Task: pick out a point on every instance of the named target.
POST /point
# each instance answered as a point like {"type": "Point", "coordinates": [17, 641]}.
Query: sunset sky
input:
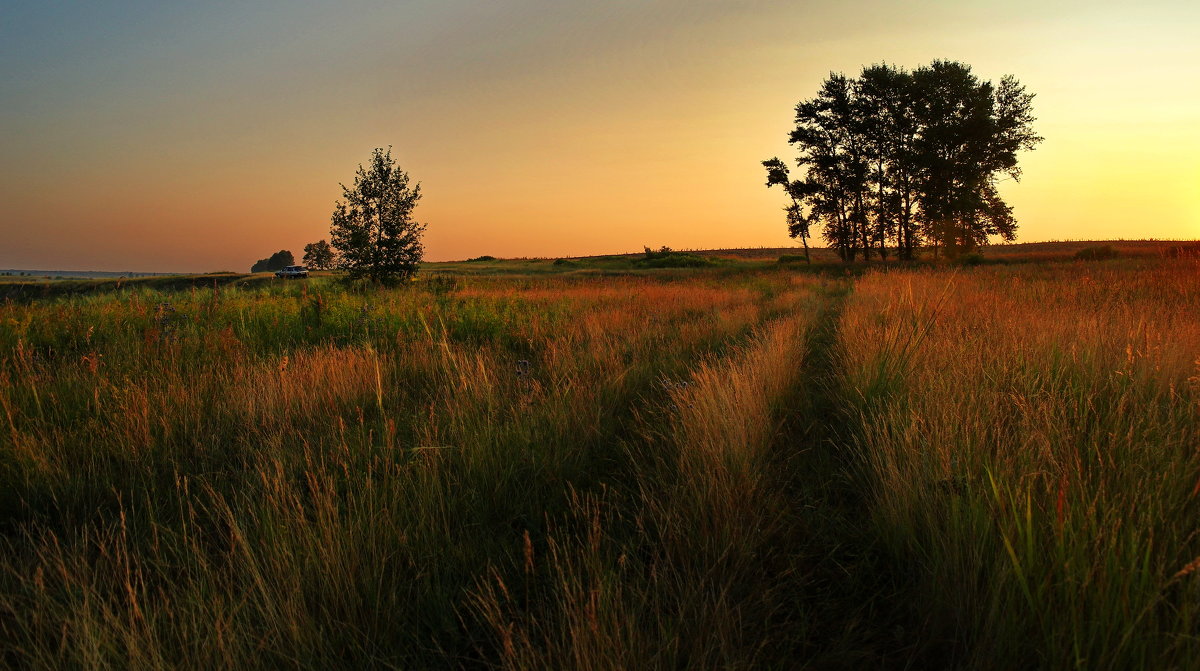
{"type": "Point", "coordinates": [200, 136]}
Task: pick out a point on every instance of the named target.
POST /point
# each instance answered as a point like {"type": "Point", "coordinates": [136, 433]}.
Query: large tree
{"type": "Point", "coordinates": [884, 117]}
{"type": "Point", "coordinates": [907, 157]}
{"type": "Point", "coordinates": [373, 230]}
{"type": "Point", "coordinates": [970, 134]}
{"type": "Point", "coordinates": [319, 255]}
{"type": "Point", "coordinates": [832, 158]}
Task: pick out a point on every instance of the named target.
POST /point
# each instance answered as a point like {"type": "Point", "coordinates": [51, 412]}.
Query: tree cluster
{"type": "Point", "coordinates": [906, 159]}
{"type": "Point", "coordinates": [277, 261]}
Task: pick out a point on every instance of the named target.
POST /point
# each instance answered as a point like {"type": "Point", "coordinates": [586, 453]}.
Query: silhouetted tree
{"type": "Point", "coordinates": [832, 157]}
{"type": "Point", "coordinates": [278, 260]}
{"type": "Point", "coordinates": [907, 157]}
{"type": "Point", "coordinates": [797, 220]}
{"type": "Point", "coordinates": [883, 110]}
{"type": "Point", "coordinates": [373, 230]}
{"type": "Point", "coordinates": [970, 134]}
{"type": "Point", "coordinates": [319, 255]}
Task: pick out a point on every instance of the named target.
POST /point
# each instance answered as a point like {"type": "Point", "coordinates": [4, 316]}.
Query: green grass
{"type": "Point", "coordinates": [531, 464]}
{"type": "Point", "coordinates": [300, 474]}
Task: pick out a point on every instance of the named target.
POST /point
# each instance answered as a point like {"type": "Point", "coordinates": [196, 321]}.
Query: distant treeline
{"type": "Point", "coordinates": [277, 261]}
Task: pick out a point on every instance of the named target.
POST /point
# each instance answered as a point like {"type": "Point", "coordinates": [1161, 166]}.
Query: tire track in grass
{"type": "Point", "coordinates": [766, 526]}
{"type": "Point", "coordinates": [845, 577]}
{"type": "Point", "coordinates": [666, 569]}
{"type": "Point", "coordinates": [739, 539]}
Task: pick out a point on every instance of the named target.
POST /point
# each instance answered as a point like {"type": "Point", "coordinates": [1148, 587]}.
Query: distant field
{"type": "Point", "coordinates": [1034, 250]}
{"type": "Point", "coordinates": [62, 283]}
{"type": "Point", "coordinates": [69, 274]}
{"type": "Point", "coordinates": [598, 464]}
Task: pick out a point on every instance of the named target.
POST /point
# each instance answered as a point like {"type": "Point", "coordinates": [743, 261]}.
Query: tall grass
{"type": "Point", "coordinates": [305, 476]}
{"type": "Point", "coordinates": [1029, 438]}
{"type": "Point", "coordinates": [683, 572]}
{"type": "Point", "coordinates": [608, 472]}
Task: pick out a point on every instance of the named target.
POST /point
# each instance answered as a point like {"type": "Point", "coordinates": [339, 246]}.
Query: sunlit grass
{"type": "Point", "coordinates": [299, 474]}
{"type": "Point", "coordinates": [1029, 439]}
{"type": "Point", "coordinates": [987, 467]}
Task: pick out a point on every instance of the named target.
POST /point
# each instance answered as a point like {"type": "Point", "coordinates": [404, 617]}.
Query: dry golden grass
{"type": "Point", "coordinates": [1029, 436]}
{"type": "Point", "coordinates": [302, 476]}
{"type": "Point", "coordinates": [674, 579]}
{"type": "Point", "coordinates": [984, 467]}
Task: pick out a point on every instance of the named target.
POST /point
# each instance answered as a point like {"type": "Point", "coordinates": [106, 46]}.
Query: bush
{"type": "Point", "coordinates": [662, 253]}
{"type": "Point", "coordinates": [666, 257]}
{"type": "Point", "coordinates": [971, 259]}
{"type": "Point", "coordinates": [440, 284]}
{"type": "Point", "coordinates": [485, 257]}
{"type": "Point", "coordinates": [1098, 253]}
{"type": "Point", "coordinates": [673, 260]}
{"type": "Point", "coordinates": [565, 262]}
{"type": "Point", "coordinates": [1183, 252]}
{"type": "Point", "coordinates": [792, 258]}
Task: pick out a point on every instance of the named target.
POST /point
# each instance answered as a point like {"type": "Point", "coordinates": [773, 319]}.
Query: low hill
{"type": "Point", "coordinates": [25, 288]}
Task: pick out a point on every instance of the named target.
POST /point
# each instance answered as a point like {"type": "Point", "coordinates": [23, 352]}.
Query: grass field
{"type": "Point", "coordinates": [596, 465]}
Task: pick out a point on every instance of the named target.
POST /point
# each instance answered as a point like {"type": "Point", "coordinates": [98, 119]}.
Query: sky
{"type": "Point", "coordinates": [202, 136]}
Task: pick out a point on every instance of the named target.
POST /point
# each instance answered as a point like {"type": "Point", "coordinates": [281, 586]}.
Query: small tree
{"type": "Point", "coordinates": [319, 255]}
{"type": "Point", "coordinates": [373, 230]}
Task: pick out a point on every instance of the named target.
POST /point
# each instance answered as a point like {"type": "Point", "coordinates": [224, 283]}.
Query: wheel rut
{"type": "Point", "coordinates": [848, 595]}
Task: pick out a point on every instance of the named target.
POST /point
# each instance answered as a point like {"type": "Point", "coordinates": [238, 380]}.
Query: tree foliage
{"type": "Point", "coordinates": [319, 255]}
{"type": "Point", "coordinates": [278, 260]}
{"type": "Point", "coordinates": [906, 158]}
{"type": "Point", "coordinates": [373, 229]}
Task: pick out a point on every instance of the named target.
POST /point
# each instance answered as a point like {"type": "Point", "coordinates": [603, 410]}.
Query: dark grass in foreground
{"type": "Point", "coordinates": [719, 467]}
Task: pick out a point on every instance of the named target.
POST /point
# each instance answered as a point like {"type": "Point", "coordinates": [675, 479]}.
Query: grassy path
{"type": "Point", "coordinates": [745, 541]}
{"type": "Point", "coordinates": [825, 526]}
{"type": "Point", "coordinates": [679, 563]}
{"type": "Point", "coordinates": [846, 593]}
{"type": "Point", "coordinates": [854, 608]}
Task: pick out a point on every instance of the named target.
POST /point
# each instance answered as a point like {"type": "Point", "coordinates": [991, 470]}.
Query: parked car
{"type": "Point", "coordinates": [289, 272]}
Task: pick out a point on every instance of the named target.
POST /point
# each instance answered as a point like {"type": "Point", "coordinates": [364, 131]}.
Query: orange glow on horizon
{"type": "Point", "coordinates": [221, 136]}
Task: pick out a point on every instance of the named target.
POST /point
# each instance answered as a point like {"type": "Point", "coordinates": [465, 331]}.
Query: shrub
{"type": "Point", "coordinates": [440, 284]}
{"type": "Point", "coordinates": [791, 258]}
{"type": "Point", "coordinates": [666, 257]}
{"type": "Point", "coordinates": [662, 253]}
{"type": "Point", "coordinates": [1191, 251]}
{"type": "Point", "coordinates": [673, 260]}
{"type": "Point", "coordinates": [1098, 253]}
{"type": "Point", "coordinates": [485, 257]}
